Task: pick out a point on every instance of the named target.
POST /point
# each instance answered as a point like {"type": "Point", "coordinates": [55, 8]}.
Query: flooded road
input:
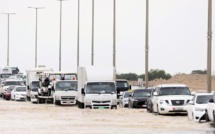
{"type": "Point", "coordinates": [27, 118]}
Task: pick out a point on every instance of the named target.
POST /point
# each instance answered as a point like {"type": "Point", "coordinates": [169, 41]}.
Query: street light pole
{"type": "Point", "coordinates": [60, 35]}
{"type": "Point", "coordinates": [209, 46]}
{"type": "Point", "coordinates": [114, 33]}
{"type": "Point", "coordinates": [36, 8]}
{"type": "Point", "coordinates": [146, 44]}
{"type": "Point", "coordinates": [92, 56]}
{"type": "Point", "coordinates": [78, 33]}
{"type": "Point", "coordinates": [8, 36]}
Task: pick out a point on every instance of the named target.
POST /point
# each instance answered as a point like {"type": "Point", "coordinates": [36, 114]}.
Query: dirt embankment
{"type": "Point", "coordinates": [194, 81]}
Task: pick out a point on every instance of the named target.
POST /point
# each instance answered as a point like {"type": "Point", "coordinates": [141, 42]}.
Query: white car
{"type": "Point", "coordinates": [18, 93]}
{"type": "Point", "coordinates": [197, 106]}
{"type": "Point", "coordinates": [210, 110]}
{"type": "Point", "coordinates": [123, 100]}
{"type": "Point", "coordinates": [171, 99]}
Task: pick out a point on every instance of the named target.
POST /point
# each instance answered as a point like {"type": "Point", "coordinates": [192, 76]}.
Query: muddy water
{"type": "Point", "coordinates": [28, 118]}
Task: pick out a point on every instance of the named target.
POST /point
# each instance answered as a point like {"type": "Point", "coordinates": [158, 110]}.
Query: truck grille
{"type": "Point", "coordinates": [177, 102]}
{"type": "Point", "coordinates": [101, 101]}
{"type": "Point", "coordinates": [67, 97]}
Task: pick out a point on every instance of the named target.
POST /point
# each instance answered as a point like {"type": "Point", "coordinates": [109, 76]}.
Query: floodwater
{"type": "Point", "coordinates": [27, 118]}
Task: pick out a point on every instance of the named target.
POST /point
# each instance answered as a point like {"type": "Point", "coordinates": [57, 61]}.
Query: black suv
{"type": "Point", "coordinates": [138, 98]}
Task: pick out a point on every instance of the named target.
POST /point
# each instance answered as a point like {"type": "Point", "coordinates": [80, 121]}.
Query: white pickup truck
{"type": "Point", "coordinates": [171, 98]}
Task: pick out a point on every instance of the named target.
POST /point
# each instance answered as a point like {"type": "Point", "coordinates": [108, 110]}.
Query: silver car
{"type": "Point", "coordinates": [123, 100]}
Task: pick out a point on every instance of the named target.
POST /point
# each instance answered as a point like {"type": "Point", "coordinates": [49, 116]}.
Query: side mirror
{"type": "Point", "coordinates": [191, 103]}
{"type": "Point", "coordinates": [155, 94]}
{"type": "Point", "coordinates": [211, 101]}
{"type": "Point", "coordinates": [82, 91]}
{"type": "Point", "coordinates": [130, 95]}
{"type": "Point", "coordinates": [27, 87]}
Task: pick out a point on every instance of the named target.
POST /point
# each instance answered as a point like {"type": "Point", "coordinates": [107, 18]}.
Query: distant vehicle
{"type": "Point", "coordinates": [210, 110]}
{"type": "Point", "coordinates": [197, 106]}
{"type": "Point", "coordinates": [122, 85]}
{"type": "Point", "coordinates": [5, 72]}
{"type": "Point", "coordinates": [9, 82]}
{"type": "Point", "coordinates": [123, 100]}
{"type": "Point", "coordinates": [96, 87]}
{"type": "Point", "coordinates": [18, 93]}
{"type": "Point", "coordinates": [138, 98]}
{"type": "Point", "coordinates": [7, 92]}
{"type": "Point", "coordinates": [32, 81]}
{"type": "Point", "coordinates": [171, 99]}
{"type": "Point", "coordinates": [149, 101]}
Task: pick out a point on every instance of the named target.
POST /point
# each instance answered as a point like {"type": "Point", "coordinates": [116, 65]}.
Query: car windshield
{"type": "Point", "coordinates": [34, 89]}
{"type": "Point", "coordinates": [7, 83]}
{"type": "Point", "coordinates": [127, 94]}
{"type": "Point", "coordinates": [174, 91]}
{"type": "Point", "coordinates": [35, 84]}
{"type": "Point", "coordinates": [20, 89]}
{"type": "Point", "coordinates": [100, 87]}
{"type": "Point", "coordinates": [203, 99]}
{"type": "Point", "coordinates": [122, 84]}
{"type": "Point", "coordinates": [66, 85]}
{"type": "Point", "coordinates": [141, 93]}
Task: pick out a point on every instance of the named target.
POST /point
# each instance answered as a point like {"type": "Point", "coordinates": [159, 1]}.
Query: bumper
{"type": "Point", "coordinates": [20, 98]}
{"type": "Point", "coordinates": [167, 109]}
{"type": "Point", "coordinates": [101, 107]}
{"type": "Point", "coordinates": [33, 99]}
{"type": "Point", "coordinates": [140, 104]}
{"type": "Point", "coordinates": [66, 102]}
{"type": "Point", "coordinates": [199, 115]}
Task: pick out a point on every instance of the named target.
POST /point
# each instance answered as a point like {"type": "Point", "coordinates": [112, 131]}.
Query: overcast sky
{"type": "Point", "coordinates": [177, 34]}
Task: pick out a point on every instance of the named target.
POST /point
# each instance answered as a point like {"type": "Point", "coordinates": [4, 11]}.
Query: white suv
{"type": "Point", "coordinates": [171, 98]}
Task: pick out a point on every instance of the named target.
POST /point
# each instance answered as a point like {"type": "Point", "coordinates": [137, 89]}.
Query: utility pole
{"type": "Point", "coordinates": [146, 44]}
{"type": "Point", "coordinates": [92, 56]}
{"type": "Point", "coordinates": [8, 36]}
{"type": "Point", "coordinates": [36, 8]}
{"type": "Point", "coordinates": [209, 46]}
{"type": "Point", "coordinates": [78, 33]}
{"type": "Point", "coordinates": [114, 33]}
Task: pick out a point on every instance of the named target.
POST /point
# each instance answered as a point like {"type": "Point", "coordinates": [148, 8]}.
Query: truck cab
{"type": "Point", "coordinates": [122, 85]}
{"type": "Point", "coordinates": [65, 92]}
{"type": "Point", "coordinates": [97, 87]}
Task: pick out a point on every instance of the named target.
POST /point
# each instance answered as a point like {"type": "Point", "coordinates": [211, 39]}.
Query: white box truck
{"type": "Point", "coordinates": [32, 82]}
{"type": "Point", "coordinates": [97, 87]}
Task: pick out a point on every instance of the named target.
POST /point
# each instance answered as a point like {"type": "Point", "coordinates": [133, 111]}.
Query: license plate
{"type": "Point", "coordinates": [101, 107]}
{"type": "Point", "coordinates": [177, 108]}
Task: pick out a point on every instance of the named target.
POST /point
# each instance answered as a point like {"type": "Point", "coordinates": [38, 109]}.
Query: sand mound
{"type": "Point", "coordinates": [194, 81]}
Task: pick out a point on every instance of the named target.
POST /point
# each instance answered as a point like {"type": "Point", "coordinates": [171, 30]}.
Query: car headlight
{"type": "Point", "coordinates": [199, 109]}
{"type": "Point", "coordinates": [114, 102]}
{"type": "Point", "coordinates": [88, 102]}
{"type": "Point", "coordinates": [57, 97]}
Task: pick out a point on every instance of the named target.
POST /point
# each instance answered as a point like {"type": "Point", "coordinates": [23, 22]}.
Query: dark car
{"type": "Point", "coordinates": [138, 98]}
{"type": "Point", "coordinates": [149, 101]}
{"type": "Point", "coordinates": [122, 86]}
